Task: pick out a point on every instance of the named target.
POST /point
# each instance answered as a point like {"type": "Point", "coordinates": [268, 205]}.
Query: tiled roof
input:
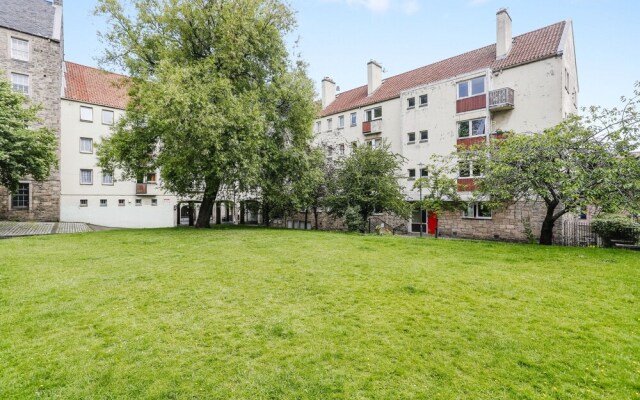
{"type": "Point", "coordinates": [95, 86]}
{"type": "Point", "coordinates": [35, 17]}
{"type": "Point", "coordinates": [533, 46]}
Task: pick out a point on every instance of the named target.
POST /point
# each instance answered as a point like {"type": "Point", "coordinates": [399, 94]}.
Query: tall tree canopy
{"type": "Point", "coordinates": [583, 161]}
{"type": "Point", "coordinates": [25, 148]}
{"type": "Point", "coordinates": [214, 97]}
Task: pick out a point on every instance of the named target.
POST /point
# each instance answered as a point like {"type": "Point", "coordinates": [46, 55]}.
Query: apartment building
{"type": "Point", "coordinates": [93, 101]}
{"type": "Point", "coordinates": [31, 54]}
{"type": "Point", "coordinates": [523, 83]}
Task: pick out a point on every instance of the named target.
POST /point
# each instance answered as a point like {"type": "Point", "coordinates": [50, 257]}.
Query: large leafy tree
{"type": "Point", "coordinates": [214, 96]}
{"type": "Point", "coordinates": [26, 147]}
{"type": "Point", "coordinates": [367, 182]}
{"type": "Point", "coordinates": [583, 161]}
{"type": "Point", "coordinates": [439, 187]}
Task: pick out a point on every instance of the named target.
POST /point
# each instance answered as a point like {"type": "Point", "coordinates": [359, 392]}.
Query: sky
{"type": "Point", "coordinates": [338, 37]}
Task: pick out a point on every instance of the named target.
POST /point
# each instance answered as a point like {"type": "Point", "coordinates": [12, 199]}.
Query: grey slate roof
{"type": "Point", "coordinates": [35, 17]}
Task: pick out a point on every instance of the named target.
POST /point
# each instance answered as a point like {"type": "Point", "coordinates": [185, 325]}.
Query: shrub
{"type": "Point", "coordinates": [353, 219]}
{"type": "Point", "coordinates": [611, 227]}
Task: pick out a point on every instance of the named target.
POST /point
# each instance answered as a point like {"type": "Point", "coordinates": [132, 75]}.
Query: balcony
{"type": "Point", "coordinates": [501, 99]}
{"type": "Point", "coordinates": [141, 188]}
{"type": "Point", "coordinates": [371, 127]}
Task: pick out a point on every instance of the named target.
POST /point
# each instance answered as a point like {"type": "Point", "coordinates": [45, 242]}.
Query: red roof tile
{"type": "Point", "coordinates": [533, 46]}
{"type": "Point", "coordinates": [95, 86]}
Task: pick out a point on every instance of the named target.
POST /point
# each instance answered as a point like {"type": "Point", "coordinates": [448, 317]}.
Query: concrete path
{"type": "Point", "coordinates": [14, 229]}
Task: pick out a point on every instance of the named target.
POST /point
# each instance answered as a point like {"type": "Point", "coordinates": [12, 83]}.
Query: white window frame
{"type": "Point", "coordinates": [20, 54]}
{"type": "Point", "coordinates": [85, 140]}
{"type": "Point", "coordinates": [105, 181]}
{"type": "Point", "coordinates": [329, 124]}
{"type": "Point", "coordinates": [341, 122]}
{"type": "Point", "coordinates": [154, 202]}
{"type": "Point", "coordinates": [375, 143]}
{"type": "Point", "coordinates": [85, 117]}
{"type": "Point", "coordinates": [121, 202]}
{"type": "Point", "coordinates": [354, 119]}
{"type": "Point", "coordinates": [425, 137]}
{"type": "Point", "coordinates": [469, 123]}
{"type": "Point", "coordinates": [423, 97]}
{"type": "Point", "coordinates": [138, 202]}
{"type": "Point", "coordinates": [82, 181]}
{"type": "Point", "coordinates": [473, 212]}
{"type": "Point", "coordinates": [469, 83]}
{"type": "Point", "coordinates": [472, 173]}
{"type": "Point", "coordinates": [107, 112]}
{"type": "Point", "coordinates": [409, 140]}
{"type": "Point", "coordinates": [411, 174]}
{"type": "Point", "coordinates": [103, 202]}
{"type": "Point", "coordinates": [409, 101]}
{"type": "Point", "coordinates": [84, 203]}
{"type": "Point", "coordinates": [424, 172]}
{"type": "Point", "coordinates": [370, 114]}
{"type": "Point", "coordinates": [318, 126]}
{"type": "Point", "coordinates": [21, 87]}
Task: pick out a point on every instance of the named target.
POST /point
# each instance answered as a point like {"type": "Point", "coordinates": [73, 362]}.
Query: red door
{"type": "Point", "coordinates": [432, 223]}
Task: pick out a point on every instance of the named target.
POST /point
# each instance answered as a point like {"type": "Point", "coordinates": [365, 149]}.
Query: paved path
{"type": "Point", "coordinates": [13, 229]}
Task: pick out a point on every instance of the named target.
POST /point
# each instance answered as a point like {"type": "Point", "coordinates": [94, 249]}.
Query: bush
{"type": "Point", "coordinates": [616, 228]}
{"type": "Point", "coordinates": [353, 219]}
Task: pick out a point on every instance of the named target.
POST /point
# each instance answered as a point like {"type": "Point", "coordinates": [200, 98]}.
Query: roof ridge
{"type": "Point", "coordinates": [97, 69]}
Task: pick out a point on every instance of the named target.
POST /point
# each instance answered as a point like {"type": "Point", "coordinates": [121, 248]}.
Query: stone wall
{"type": "Point", "coordinates": [328, 223]}
{"type": "Point", "coordinates": [45, 80]}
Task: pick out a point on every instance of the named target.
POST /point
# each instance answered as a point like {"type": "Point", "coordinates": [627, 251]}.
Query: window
{"type": "Point", "coordinates": [330, 151]}
{"type": "Point", "coordinates": [411, 102]}
{"type": "Point", "coordinates": [424, 136]}
{"type": "Point", "coordinates": [103, 202]}
{"type": "Point", "coordinates": [373, 113]}
{"type": "Point", "coordinates": [472, 87]}
{"type": "Point", "coordinates": [318, 126]}
{"type": "Point", "coordinates": [154, 202]}
{"type": "Point", "coordinates": [341, 122]}
{"type": "Point", "coordinates": [121, 203]}
{"type": "Point", "coordinates": [412, 173]}
{"type": "Point", "coordinates": [107, 178]}
{"type": "Point", "coordinates": [424, 172]}
{"type": "Point", "coordinates": [470, 169]}
{"type": "Point", "coordinates": [86, 145]}
{"type": "Point", "coordinates": [475, 126]}
{"type": "Point", "coordinates": [375, 143]}
{"type": "Point", "coordinates": [86, 114]}
{"type": "Point", "coordinates": [424, 100]}
{"type": "Point", "coordinates": [20, 83]}
{"type": "Point", "coordinates": [19, 49]}
{"type": "Point", "coordinates": [329, 124]}
{"type": "Point", "coordinates": [138, 202]}
{"type": "Point", "coordinates": [411, 137]}
{"type": "Point", "coordinates": [478, 211]}
{"type": "Point", "coordinates": [107, 117]}
{"type": "Point", "coordinates": [84, 203]}
{"type": "Point", "coordinates": [86, 177]}
{"type": "Point", "coordinates": [20, 199]}
{"type": "Point", "coordinates": [341, 149]}
{"type": "Point", "coordinates": [354, 119]}
{"type": "Point", "coordinates": [151, 178]}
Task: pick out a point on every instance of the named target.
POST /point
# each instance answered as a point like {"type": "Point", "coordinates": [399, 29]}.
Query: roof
{"type": "Point", "coordinates": [533, 46]}
{"type": "Point", "coordinates": [34, 17]}
{"type": "Point", "coordinates": [95, 86]}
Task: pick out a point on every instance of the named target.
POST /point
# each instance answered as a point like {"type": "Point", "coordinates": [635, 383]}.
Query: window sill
{"type": "Point", "coordinates": [479, 218]}
{"type": "Point", "coordinates": [107, 184]}
{"type": "Point", "coordinates": [86, 184]}
{"type": "Point", "coordinates": [411, 142]}
{"type": "Point", "coordinates": [411, 108]}
{"type": "Point", "coordinates": [424, 141]}
{"type": "Point", "coordinates": [354, 125]}
{"type": "Point", "coordinates": [84, 205]}
{"type": "Point", "coordinates": [424, 105]}
{"type": "Point", "coordinates": [86, 152]}
{"type": "Point", "coordinates": [86, 120]}
{"type": "Point", "coordinates": [411, 179]}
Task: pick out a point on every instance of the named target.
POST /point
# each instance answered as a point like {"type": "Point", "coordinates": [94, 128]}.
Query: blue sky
{"type": "Point", "coordinates": [338, 37]}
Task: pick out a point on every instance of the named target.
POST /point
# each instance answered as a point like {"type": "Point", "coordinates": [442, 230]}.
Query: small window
{"type": "Point", "coordinates": [375, 143]}
{"type": "Point", "coordinates": [341, 122]}
{"type": "Point", "coordinates": [103, 202]}
{"type": "Point", "coordinates": [138, 202]}
{"type": "Point", "coordinates": [411, 137]}
{"type": "Point", "coordinates": [330, 151]}
{"type": "Point", "coordinates": [318, 126]}
{"type": "Point", "coordinates": [151, 178]}
{"type": "Point", "coordinates": [86, 177]}
{"type": "Point", "coordinates": [121, 203]}
{"type": "Point", "coordinates": [475, 127]}
{"type": "Point", "coordinates": [86, 114]}
{"type": "Point", "coordinates": [19, 49]}
{"type": "Point", "coordinates": [424, 172]}
{"type": "Point", "coordinates": [477, 211]}
{"type": "Point", "coordinates": [154, 202]}
{"type": "Point", "coordinates": [86, 145]}
{"type": "Point", "coordinates": [412, 173]}
{"type": "Point", "coordinates": [341, 149]}
{"type": "Point", "coordinates": [373, 113]}
{"type": "Point", "coordinates": [472, 87]}
{"type": "Point", "coordinates": [424, 100]}
{"type": "Point", "coordinates": [411, 102]}
{"type": "Point", "coordinates": [470, 169]}
{"type": "Point", "coordinates": [20, 83]}
{"type": "Point", "coordinates": [424, 136]}
{"type": "Point", "coordinates": [107, 178]}
{"type": "Point", "coordinates": [329, 124]}
{"type": "Point", "coordinates": [354, 119]}
{"type": "Point", "coordinates": [84, 203]}
{"type": "Point", "coordinates": [107, 117]}
{"type": "Point", "coordinates": [20, 199]}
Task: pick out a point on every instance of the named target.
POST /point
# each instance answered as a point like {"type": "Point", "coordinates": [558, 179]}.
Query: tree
{"type": "Point", "coordinates": [214, 98]}
{"type": "Point", "coordinates": [439, 188]}
{"type": "Point", "coordinates": [367, 182]}
{"type": "Point", "coordinates": [583, 161]}
{"type": "Point", "coordinates": [25, 148]}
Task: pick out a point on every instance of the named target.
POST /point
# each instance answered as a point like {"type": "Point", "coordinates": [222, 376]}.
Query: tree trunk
{"type": "Point", "coordinates": [208, 200]}
{"type": "Point", "coordinates": [315, 216]}
{"type": "Point", "coordinates": [265, 214]}
{"type": "Point", "coordinates": [546, 233]}
{"type": "Point", "coordinates": [306, 218]}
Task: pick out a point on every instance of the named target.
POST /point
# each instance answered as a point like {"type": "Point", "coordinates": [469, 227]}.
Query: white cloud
{"type": "Point", "coordinates": [409, 7]}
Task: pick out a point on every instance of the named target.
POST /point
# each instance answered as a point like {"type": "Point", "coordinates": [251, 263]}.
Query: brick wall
{"type": "Point", "coordinates": [45, 79]}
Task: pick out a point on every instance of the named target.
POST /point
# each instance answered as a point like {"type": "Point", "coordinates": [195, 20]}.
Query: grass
{"type": "Point", "coordinates": [275, 314]}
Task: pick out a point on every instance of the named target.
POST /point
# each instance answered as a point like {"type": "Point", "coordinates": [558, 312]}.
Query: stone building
{"type": "Point", "coordinates": [524, 83]}
{"type": "Point", "coordinates": [31, 55]}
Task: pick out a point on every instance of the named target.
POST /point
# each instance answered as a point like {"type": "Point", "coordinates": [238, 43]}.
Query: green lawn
{"type": "Point", "coordinates": [271, 314]}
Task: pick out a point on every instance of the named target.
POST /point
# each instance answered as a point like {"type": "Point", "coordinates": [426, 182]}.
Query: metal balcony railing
{"type": "Point", "coordinates": [501, 99]}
